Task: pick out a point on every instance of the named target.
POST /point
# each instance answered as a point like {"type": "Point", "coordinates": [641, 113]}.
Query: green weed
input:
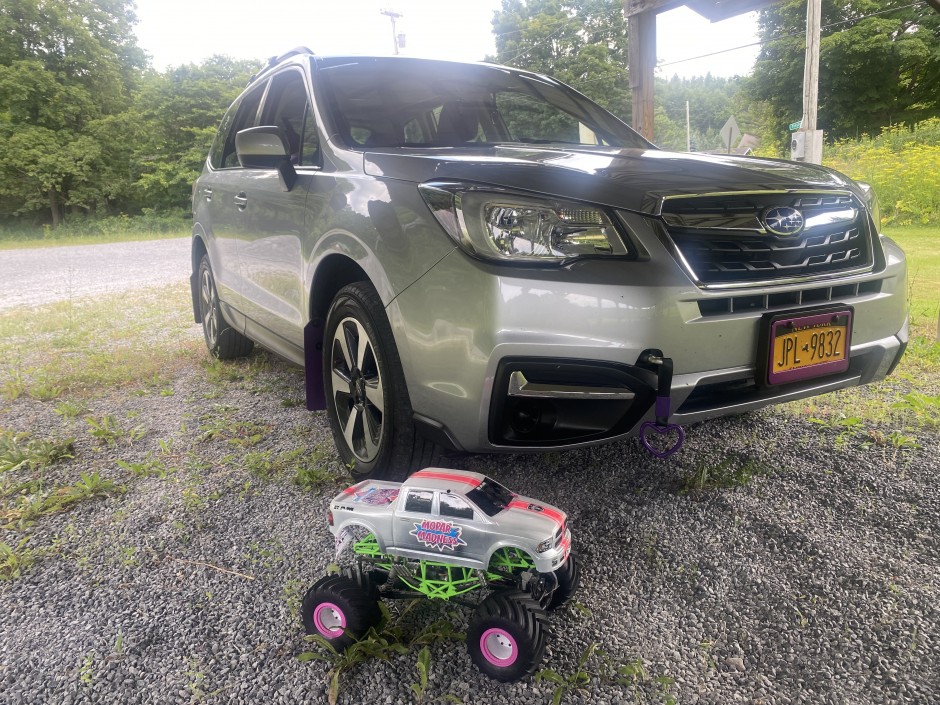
{"type": "Point", "coordinates": [373, 645]}
{"type": "Point", "coordinates": [422, 666]}
{"type": "Point", "coordinates": [148, 467]}
{"type": "Point", "coordinates": [730, 472]}
{"type": "Point", "coordinates": [109, 431]}
{"type": "Point", "coordinates": [923, 408]}
{"type": "Point", "coordinates": [71, 409]}
{"type": "Point", "coordinates": [15, 560]}
{"type": "Point", "coordinates": [577, 680]}
{"type": "Point", "coordinates": [18, 450]}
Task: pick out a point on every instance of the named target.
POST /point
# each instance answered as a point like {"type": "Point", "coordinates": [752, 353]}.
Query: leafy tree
{"type": "Point", "coordinates": [874, 70]}
{"type": "Point", "coordinates": [64, 66]}
{"type": "Point", "coordinates": [580, 42]}
{"type": "Point", "coordinates": [180, 110]}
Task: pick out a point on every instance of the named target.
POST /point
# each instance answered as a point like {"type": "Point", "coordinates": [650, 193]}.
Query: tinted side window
{"type": "Point", "coordinates": [286, 107]}
{"type": "Point", "coordinates": [245, 116]}
{"type": "Point", "coordinates": [218, 144]}
{"type": "Point", "coordinates": [419, 501]}
{"type": "Point", "coordinates": [454, 506]}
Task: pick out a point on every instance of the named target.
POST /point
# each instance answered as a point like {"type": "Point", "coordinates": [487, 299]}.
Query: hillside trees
{"type": "Point", "coordinates": [86, 125]}
{"type": "Point", "coordinates": [65, 67]}
{"type": "Point", "coordinates": [580, 42]}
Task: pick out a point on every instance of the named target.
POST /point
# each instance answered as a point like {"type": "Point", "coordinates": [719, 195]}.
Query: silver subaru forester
{"type": "Point", "coordinates": [477, 258]}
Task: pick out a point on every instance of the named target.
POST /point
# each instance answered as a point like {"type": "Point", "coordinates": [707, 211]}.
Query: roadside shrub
{"type": "Point", "coordinates": [903, 165]}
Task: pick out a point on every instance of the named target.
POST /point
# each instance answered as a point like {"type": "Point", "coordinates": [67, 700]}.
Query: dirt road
{"type": "Point", "coordinates": [45, 274]}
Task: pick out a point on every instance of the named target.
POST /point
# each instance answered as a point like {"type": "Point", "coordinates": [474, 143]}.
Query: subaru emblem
{"type": "Point", "coordinates": [783, 221]}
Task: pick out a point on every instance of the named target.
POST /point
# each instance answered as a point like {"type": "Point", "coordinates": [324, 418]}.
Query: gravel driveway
{"type": "Point", "coordinates": [812, 579]}
{"type": "Point", "coordinates": [45, 274]}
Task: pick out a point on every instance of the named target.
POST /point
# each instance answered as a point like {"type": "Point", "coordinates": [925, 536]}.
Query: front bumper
{"type": "Point", "coordinates": [466, 326]}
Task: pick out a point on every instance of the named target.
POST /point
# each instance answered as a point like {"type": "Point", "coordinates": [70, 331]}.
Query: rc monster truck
{"type": "Point", "coordinates": [450, 535]}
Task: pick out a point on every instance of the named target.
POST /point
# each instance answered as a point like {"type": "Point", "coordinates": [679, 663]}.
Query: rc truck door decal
{"type": "Point", "coordinates": [434, 533]}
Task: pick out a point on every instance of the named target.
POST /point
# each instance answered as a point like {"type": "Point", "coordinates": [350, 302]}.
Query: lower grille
{"type": "Point", "coordinates": [722, 239]}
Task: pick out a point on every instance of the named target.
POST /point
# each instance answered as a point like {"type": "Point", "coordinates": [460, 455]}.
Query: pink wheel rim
{"type": "Point", "coordinates": [498, 647]}
{"type": "Point", "coordinates": [329, 620]}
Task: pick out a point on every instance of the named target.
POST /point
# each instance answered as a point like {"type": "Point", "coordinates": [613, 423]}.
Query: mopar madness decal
{"type": "Point", "coordinates": [438, 534]}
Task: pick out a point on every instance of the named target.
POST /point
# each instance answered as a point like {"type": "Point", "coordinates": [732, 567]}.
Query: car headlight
{"type": "Point", "coordinates": [507, 227]}
{"type": "Point", "coordinates": [871, 200]}
{"type": "Point", "coordinates": [545, 545]}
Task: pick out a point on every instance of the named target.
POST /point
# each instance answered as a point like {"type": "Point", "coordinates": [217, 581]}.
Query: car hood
{"type": "Point", "coordinates": [530, 518]}
{"type": "Point", "coordinates": [631, 179]}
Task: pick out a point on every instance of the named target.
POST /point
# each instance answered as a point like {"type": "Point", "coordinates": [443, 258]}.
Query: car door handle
{"type": "Point", "coordinates": [241, 200]}
{"type": "Point", "coordinates": [207, 192]}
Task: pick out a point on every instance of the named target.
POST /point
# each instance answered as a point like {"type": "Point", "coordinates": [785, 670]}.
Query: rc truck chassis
{"type": "Point", "coordinates": [511, 598]}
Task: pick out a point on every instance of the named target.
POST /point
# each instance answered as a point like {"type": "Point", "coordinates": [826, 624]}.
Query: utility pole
{"type": "Point", "coordinates": [813, 137]}
{"type": "Point", "coordinates": [392, 15]}
{"type": "Point", "coordinates": [688, 129]}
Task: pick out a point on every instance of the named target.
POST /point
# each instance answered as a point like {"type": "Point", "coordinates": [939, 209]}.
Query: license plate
{"type": "Point", "coordinates": [801, 345]}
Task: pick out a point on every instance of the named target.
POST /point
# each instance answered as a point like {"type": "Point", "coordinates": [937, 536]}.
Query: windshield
{"type": "Point", "coordinates": [491, 497]}
{"type": "Point", "coordinates": [388, 102]}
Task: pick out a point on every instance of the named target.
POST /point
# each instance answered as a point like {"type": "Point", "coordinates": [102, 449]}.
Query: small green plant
{"type": "Point", "coordinates": [847, 427]}
{"type": "Point", "coordinates": [373, 645]}
{"type": "Point", "coordinates": [312, 470]}
{"type": "Point", "coordinates": [18, 450]}
{"type": "Point", "coordinates": [71, 409]}
{"type": "Point", "coordinates": [86, 672]}
{"type": "Point", "coordinates": [422, 665]}
{"type": "Point", "coordinates": [119, 644]}
{"type": "Point", "coordinates": [13, 387]}
{"type": "Point", "coordinates": [91, 485]}
{"type": "Point", "coordinates": [575, 681]}
{"type": "Point", "coordinates": [923, 409]}
{"type": "Point", "coordinates": [149, 467]}
{"type": "Point", "coordinates": [730, 472]}
{"type": "Point", "coordinates": [15, 560]}
{"type": "Point", "coordinates": [106, 429]}
{"type": "Point", "coordinates": [46, 390]}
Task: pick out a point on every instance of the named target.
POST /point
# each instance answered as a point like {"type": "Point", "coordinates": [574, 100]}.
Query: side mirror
{"type": "Point", "coordinates": [266, 147]}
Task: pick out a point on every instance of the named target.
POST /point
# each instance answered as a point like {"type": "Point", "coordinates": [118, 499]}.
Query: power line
{"type": "Point", "coordinates": [791, 34]}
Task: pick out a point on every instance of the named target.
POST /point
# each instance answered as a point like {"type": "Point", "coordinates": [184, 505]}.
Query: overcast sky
{"type": "Point", "coordinates": [176, 32]}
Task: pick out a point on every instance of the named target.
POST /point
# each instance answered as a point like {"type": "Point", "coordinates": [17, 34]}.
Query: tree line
{"type": "Point", "coordinates": [90, 128]}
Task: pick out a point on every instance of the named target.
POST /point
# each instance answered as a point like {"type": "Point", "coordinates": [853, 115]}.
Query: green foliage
{"type": "Point", "coordinates": [108, 430]}
{"type": "Point", "coordinates": [580, 42]}
{"type": "Point", "coordinates": [876, 71]}
{"type": "Point", "coordinates": [924, 408]}
{"type": "Point", "coordinates": [373, 645]}
{"type": "Point", "coordinates": [15, 560]}
{"type": "Point", "coordinates": [86, 126]}
{"type": "Point", "coordinates": [902, 164]}
{"type": "Point", "coordinates": [730, 472]}
{"type": "Point", "coordinates": [422, 665]}
{"type": "Point", "coordinates": [18, 451]}
{"type": "Point", "coordinates": [578, 679]}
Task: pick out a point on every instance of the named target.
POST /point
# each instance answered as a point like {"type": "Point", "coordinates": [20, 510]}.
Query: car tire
{"type": "Point", "coordinates": [341, 609]}
{"type": "Point", "coordinates": [223, 341]}
{"type": "Point", "coordinates": [506, 636]}
{"type": "Point", "coordinates": [366, 396]}
{"type": "Point", "coordinates": [569, 578]}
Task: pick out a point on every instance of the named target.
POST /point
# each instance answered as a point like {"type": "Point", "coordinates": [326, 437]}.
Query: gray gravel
{"type": "Point", "coordinates": [37, 276]}
{"type": "Point", "coordinates": [814, 582]}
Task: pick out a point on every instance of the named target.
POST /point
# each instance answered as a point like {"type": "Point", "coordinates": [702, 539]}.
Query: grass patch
{"type": "Point", "coordinates": [730, 472]}
{"type": "Point", "coordinates": [19, 451]}
{"type": "Point", "coordinates": [82, 349]}
{"type": "Point", "coordinates": [907, 401]}
{"type": "Point", "coordinates": [15, 560]}
{"type": "Point", "coordinates": [25, 502]}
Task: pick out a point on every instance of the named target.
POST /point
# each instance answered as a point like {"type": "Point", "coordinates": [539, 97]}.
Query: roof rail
{"type": "Point", "coordinates": [275, 60]}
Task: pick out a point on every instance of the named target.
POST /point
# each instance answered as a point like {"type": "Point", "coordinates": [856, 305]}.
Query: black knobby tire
{"type": "Point", "coordinates": [340, 609]}
{"type": "Point", "coordinates": [367, 399]}
{"type": "Point", "coordinates": [506, 636]}
{"type": "Point", "coordinates": [569, 578]}
{"type": "Point", "coordinates": [223, 341]}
